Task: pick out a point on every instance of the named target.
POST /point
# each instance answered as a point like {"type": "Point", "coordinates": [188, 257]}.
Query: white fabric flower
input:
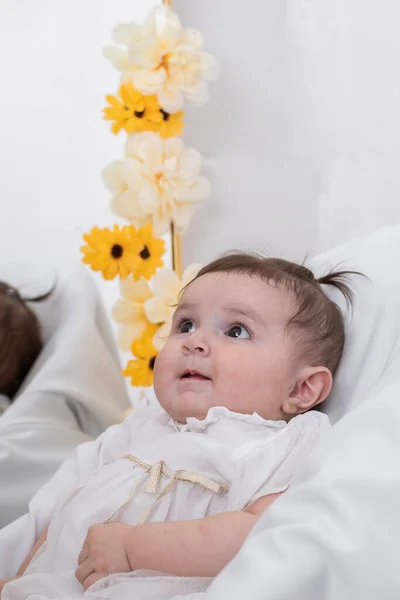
{"type": "Point", "coordinates": [129, 312]}
{"type": "Point", "coordinates": [161, 307]}
{"type": "Point", "coordinates": [163, 58]}
{"type": "Point", "coordinates": [158, 182]}
{"type": "Point", "coordinates": [113, 179]}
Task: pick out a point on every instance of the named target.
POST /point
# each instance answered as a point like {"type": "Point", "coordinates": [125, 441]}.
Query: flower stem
{"type": "Point", "coordinates": [176, 251]}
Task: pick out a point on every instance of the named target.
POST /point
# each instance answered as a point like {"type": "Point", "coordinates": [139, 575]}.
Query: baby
{"type": "Point", "coordinates": [159, 504]}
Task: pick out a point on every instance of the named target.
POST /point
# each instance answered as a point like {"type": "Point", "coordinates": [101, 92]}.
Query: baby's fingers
{"type": "Point", "coordinates": [91, 580]}
{"type": "Point", "coordinates": [83, 554]}
{"type": "Point", "coordinates": [83, 571]}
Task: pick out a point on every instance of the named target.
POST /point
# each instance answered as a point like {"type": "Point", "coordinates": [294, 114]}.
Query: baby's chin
{"type": "Point", "coordinates": [189, 404]}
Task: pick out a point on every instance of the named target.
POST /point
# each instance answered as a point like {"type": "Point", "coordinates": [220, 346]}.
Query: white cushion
{"type": "Point", "coordinates": [371, 353]}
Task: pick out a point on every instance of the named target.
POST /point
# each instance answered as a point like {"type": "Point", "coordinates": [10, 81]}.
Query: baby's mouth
{"type": "Point", "coordinates": [194, 375]}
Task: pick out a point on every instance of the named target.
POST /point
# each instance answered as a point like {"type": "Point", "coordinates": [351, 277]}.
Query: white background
{"type": "Point", "coordinates": [301, 134]}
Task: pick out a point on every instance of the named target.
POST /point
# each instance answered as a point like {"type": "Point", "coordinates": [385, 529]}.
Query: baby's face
{"type": "Point", "coordinates": [228, 347]}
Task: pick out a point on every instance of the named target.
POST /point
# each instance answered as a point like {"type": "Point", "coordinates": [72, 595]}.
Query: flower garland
{"type": "Point", "coordinates": [157, 186]}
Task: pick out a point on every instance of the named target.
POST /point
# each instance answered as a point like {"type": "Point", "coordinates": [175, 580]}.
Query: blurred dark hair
{"type": "Point", "coordinates": [20, 338]}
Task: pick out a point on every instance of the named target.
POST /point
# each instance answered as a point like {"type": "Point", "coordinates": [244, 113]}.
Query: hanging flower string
{"type": "Point", "coordinates": [158, 184]}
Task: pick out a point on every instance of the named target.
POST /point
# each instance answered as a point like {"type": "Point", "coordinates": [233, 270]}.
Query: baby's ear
{"type": "Point", "coordinates": [312, 387]}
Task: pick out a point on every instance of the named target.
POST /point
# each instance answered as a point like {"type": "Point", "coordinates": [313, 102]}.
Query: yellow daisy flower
{"type": "Point", "coordinates": [113, 252]}
{"type": "Point", "coordinates": [150, 255]}
{"type": "Point", "coordinates": [140, 370]}
{"type": "Point", "coordinates": [171, 124]}
{"type": "Point", "coordinates": [164, 123]}
{"type": "Point", "coordinates": [129, 112]}
{"type": "Point", "coordinates": [135, 113]}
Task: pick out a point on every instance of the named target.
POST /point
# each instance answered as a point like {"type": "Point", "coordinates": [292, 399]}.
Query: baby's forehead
{"type": "Point", "coordinates": [238, 288]}
{"type": "Point", "coordinates": [225, 281]}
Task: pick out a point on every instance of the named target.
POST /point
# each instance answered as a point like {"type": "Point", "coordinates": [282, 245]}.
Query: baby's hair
{"type": "Point", "coordinates": [20, 338]}
{"type": "Point", "coordinates": [317, 324]}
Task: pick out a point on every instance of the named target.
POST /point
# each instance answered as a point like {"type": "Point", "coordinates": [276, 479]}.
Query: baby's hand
{"type": "Point", "coordinates": [104, 552]}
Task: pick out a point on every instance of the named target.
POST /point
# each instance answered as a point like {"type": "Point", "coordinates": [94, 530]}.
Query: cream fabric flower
{"type": "Point", "coordinates": [129, 311]}
{"type": "Point", "coordinates": [163, 58]}
{"type": "Point", "coordinates": [158, 182]}
{"type": "Point", "coordinates": [161, 307]}
{"type": "Point", "coordinates": [120, 60]}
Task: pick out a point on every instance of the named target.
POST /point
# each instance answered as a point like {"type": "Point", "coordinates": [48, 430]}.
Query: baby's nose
{"type": "Point", "coordinates": [196, 343]}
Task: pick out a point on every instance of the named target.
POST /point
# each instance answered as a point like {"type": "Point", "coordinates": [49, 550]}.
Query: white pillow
{"type": "Point", "coordinates": [371, 354]}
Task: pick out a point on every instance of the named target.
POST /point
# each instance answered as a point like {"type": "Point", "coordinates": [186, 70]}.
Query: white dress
{"type": "Point", "coordinates": [151, 468]}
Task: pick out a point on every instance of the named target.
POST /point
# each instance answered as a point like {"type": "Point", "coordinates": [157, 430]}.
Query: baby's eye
{"type": "Point", "coordinates": [239, 332]}
{"type": "Point", "coordinates": [187, 327]}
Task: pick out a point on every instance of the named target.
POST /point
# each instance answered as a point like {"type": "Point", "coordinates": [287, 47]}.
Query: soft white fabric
{"type": "Point", "coordinates": [73, 392]}
{"type": "Point", "coordinates": [4, 403]}
{"type": "Point", "coordinates": [335, 533]}
{"type": "Point", "coordinates": [253, 456]}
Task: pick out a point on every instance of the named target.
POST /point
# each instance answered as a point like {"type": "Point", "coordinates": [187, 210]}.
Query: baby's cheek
{"type": "Point", "coordinates": [247, 374]}
{"type": "Point", "coordinates": [233, 372]}
{"type": "Point", "coordinates": [162, 371]}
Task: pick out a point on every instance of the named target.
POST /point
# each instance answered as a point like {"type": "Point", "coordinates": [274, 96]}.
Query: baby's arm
{"type": "Point", "coordinates": [198, 548]}
{"type": "Point", "coordinates": [26, 562]}
{"type": "Point", "coordinates": [32, 553]}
